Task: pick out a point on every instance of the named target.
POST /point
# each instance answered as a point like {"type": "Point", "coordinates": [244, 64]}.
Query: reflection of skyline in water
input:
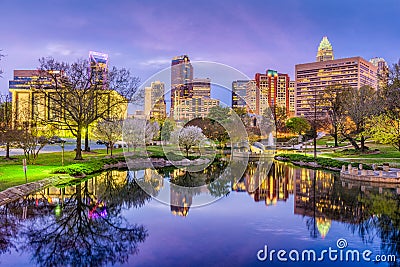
{"type": "Point", "coordinates": [89, 207]}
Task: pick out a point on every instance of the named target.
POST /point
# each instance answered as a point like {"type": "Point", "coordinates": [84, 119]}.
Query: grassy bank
{"type": "Point", "coordinates": [50, 164]}
{"type": "Point", "coordinates": [326, 163]}
{"type": "Point", "coordinates": [12, 174]}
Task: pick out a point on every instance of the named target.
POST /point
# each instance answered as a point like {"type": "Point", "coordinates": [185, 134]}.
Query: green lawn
{"type": "Point", "coordinates": [11, 171]}
{"type": "Point", "coordinates": [388, 154]}
{"type": "Point", "coordinates": [329, 141]}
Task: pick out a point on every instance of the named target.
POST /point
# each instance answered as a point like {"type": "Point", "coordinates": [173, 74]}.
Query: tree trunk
{"type": "Point", "coordinates": [362, 143]}
{"type": "Point", "coordinates": [7, 150]}
{"type": "Point", "coordinates": [111, 148]}
{"type": "Point", "coordinates": [315, 146]}
{"type": "Point", "coordinates": [353, 142]}
{"type": "Point", "coordinates": [78, 153]}
{"type": "Point", "coordinates": [335, 136]}
{"type": "Point", "coordinates": [87, 148]}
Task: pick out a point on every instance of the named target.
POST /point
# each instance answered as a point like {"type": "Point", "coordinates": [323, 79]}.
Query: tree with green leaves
{"type": "Point", "coordinates": [385, 128]}
{"type": "Point", "coordinates": [298, 125]}
{"type": "Point", "coordinates": [219, 114]}
{"type": "Point", "coordinates": [166, 130]}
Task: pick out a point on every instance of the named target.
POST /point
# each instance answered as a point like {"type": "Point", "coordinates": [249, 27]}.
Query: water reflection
{"type": "Point", "coordinates": [83, 224]}
{"type": "Point", "coordinates": [80, 225]}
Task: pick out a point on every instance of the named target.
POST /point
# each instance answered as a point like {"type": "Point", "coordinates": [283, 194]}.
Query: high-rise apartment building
{"type": "Point", "coordinates": [239, 93]}
{"type": "Point", "coordinates": [325, 50]}
{"type": "Point", "coordinates": [313, 78]}
{"type": "Point", "coordinates": [271, 91]}
{"type": "Point", "coordinates": [154, 102]}
{"type": "Point", "coordinates": [201, 87]}
{"type": "Point", "coordinates": [383, 71]}
{"type": "Point", "coordinates": [292, 93]}
{"type": "Point", "coordinates": [181, 79]}
{"type": "Point", "coordinates": [252, 98]}
{"type": "Point", "coordinates": [195, 107]}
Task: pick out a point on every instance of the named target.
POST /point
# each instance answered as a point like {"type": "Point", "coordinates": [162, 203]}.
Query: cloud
{"type": "Point", "coordinates": [58, 49]}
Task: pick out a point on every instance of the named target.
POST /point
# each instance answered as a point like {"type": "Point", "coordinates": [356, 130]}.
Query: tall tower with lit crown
{"type": "Point", "coordinates": [325, 50]}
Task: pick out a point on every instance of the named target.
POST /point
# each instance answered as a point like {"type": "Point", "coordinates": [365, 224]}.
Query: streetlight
{"type": "Point", "coordinates": [62, 153]}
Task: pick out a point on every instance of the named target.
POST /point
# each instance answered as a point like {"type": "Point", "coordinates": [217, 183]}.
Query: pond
{"type": "Point", "coordinates": [108, 220]}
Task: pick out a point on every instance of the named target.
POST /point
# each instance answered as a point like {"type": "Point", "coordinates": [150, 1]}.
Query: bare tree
{"type": "Point", "coordinates": [334, 100]}
{"type": "Point", "coordinates": [7, 134]}
{"type": "Point", "coordinates": [77, 97]}
{"type": "Point", "coordinates": [1, 71]}
{"type": "Point", "coordinates": [32, 139]}
{"type": "Point", "coordinates": [109, 130]}
{"type": "Point", "coordinates": [138, 132]}
{"type": "Point", "coordinates": [361, 104]}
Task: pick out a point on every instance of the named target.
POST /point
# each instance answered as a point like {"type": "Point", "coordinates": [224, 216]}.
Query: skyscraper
{"type": "Point", "coordinates": [154, 102]}
{"type": "Point", "coordinates": [181, 79]}
{"type": "Point", "coordinates": [239, 93]}
{"type": "Point", "coordinates": [313, 78]}
{"type": "Point", "coordinates": [99, 66]}
{"type": "Point", "coordinates": [325, 50]}
{"type": "Point", "coordinates": [272, 90]}
{"type": "Point", "coordinates": [252, 97]}
{"type": "Point", "coordinates": [383, 70]}
{"type": "Point", "coordinates": [201, 87]}
{"type": "Point", "coordinates": [292, 94]}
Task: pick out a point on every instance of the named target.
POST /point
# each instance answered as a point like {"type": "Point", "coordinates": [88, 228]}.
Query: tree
{"type": "Point", "coordinates": [151, 131]}
{"type": "Point", "coordinates": [78, 97]}
{"type": "Point", "coordinates": [386, 127]}
{"type": "Point", "coordinates": [333, 99]}
{"type": "Point", "coordinates": [1, 71]}
{"type": "Point", "coordinates": [7, 135]}
{"type": "Point", "coordinates": [166, 130]}
{"type": "Point", "coordinates": [189, 136]}
{"type": "Point", "coordinates": [109, 130]}
{"type": "Point", "coordinates": [385, 130]}
{"type": "Point", "coordinates": [361, 104]}
{"type": "Point", "coordinates": [133, 132]}
{"type": "Point", "coordinates": [32, 139]}
{"type": "Point", "coordinates": [138, 132]}
{"type": "Point", "coordinates": [211, 129]}
{"type": "Point", "coordinates": [278, 114]}
{"type": "Point", "coordinates": [298, 125]}
{"type": "Point", "coordinates": [219, 114]}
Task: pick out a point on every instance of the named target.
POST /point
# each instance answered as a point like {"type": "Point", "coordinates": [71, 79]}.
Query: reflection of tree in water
{"type": "Point", "coordinates": [123, 192]}
{"type": "Point", "coordinates": [381, 218]}
{"type": "Point", "coordinates": [8, 229]}
{"type": "Point", "coordinates": [86, 234]}
{"type": "Point", "coordinates": [367, 212]}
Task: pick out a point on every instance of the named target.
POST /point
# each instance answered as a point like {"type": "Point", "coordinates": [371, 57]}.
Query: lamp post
{"type": "Point", "coordinates": [62, 152]}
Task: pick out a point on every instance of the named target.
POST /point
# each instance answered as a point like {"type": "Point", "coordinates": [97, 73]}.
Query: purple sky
{"type": "Point", "coordinates": [143, 36]}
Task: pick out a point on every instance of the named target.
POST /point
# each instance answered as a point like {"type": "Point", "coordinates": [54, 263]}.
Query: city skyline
{"type": "Point", "coordinates": [237, 34]}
